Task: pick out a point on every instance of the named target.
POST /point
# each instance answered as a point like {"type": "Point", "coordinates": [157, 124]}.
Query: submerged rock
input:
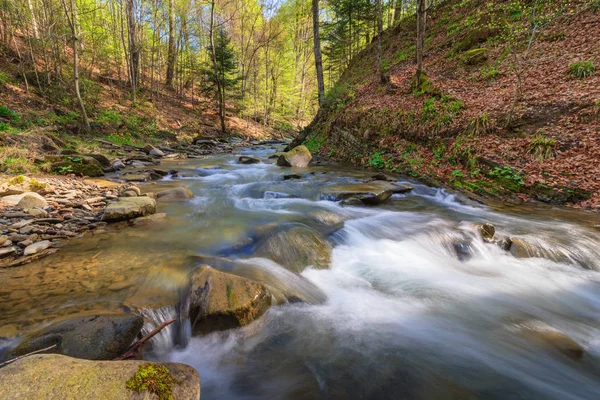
{"type": "Point", "coordinates": [218, 301]}
{"type": "Point", "coordinates": [487, 232]}
{"type": "Point", "coordinates": [180, 193]}
{"type": "Point", "coordinates": [95, 337]}
{"type": "Point", "coordinates": [248, 160]}
{"type": "Point", "coordinates": [298, 157]}
{"type": "Point", "coordinates": [545, 335]}
{"type": "Point", "coordinates": [128, 208]}
{"type": "Point", "coordinates": [295, 246]}
{"type": "Point", "coordinates": [52, 376]}
{"type": "Point", "coordinates": [372, 193]}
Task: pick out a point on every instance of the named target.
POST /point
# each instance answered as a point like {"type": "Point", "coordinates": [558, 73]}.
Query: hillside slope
{"type": "Point", "coordinates": [465, 129]}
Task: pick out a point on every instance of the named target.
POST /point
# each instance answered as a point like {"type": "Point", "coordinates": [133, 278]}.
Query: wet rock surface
{"type": "Point", "coordinates": [60, 377]}
{"type": "Point", "coordinates": [126, 208]}
{"type": "Point", "coordinates": [96, 337]}
{"type": "Point", "coordinates": [372, 193]}
{"type": "Point", "coordinates": [217, 300]}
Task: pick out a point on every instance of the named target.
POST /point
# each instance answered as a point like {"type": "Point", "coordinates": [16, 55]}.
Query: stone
{"type": "Point", "coordinates": [134, 177]}
{"type": "Point", "coordinates": [21, 184]}
{"type": "Point", "coordinates": [546, 335]}
{"type": "Point", "coordinates": [371, 193]}
{"type": "Point", "coordinates": [487, 232]}
{"type": "Point", "coordinates": [134, 189]}
{"type": "Point", "coordinates": [37, 247]}
{"type": "Point", "coordinates": [126, 208]}
{"type": "Point", "coordinates": [13, 200]}
{"type": "Point", "coordinates": [37, 212]}
{"type": "Point", "coordinates": [474, 56]}
{"type": "Point", "coordinates": [31, 200]}
{"type": "Point", "coordinates": [150, 220]}
{"type": "Point", "coordinates": [102, 160]}
{"type": "Point", "coordinates": [287, 177]}
{"type": "Point", "coordinates": [78, 165]}
{"type": "Point", "coordinates": [248, 160]}
{"type": "Point", "coordinates": [156, 152]}
{"type": "Point", "coordinates": [52, 376]}
{"type": "Point", "coordinates": [295, 246]}
{"type": "Point", "coordinates": [216, 300]}
{"type": "Point", "coordinates": [129, 193]}
{"type": "Point", "coordinates": [298, 157]}
{"type": "Point", "coordinates": [118, 164]}
{"type": "Point", "coordinates": [7, 251]}
{"type": "Point", "coordinates": [92, 337]}
{"type": "Point", "coordinates": [179, 193]}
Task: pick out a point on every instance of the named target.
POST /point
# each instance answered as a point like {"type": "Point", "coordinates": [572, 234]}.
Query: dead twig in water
{"type": "Point", "coordinates": [133, 349]}
{"type": "Point", "coordinates": [28, 354]}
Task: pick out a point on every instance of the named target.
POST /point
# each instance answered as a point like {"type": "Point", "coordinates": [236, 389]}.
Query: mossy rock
{"type": "Point", "coordinates": [52, 376]}
{"type": "Point", "coordinates": [425, 85]}
{"type": "Point", "coordinates": [474, 38]}
{"type": "Point", "coordinates": [474, 57]}
{"type": "Point", "coordinates": [298, 157]}
{"type": "Point", "coordinates": [216, 300]}
{"type": "Point", "coordinates": [558, 195]}
{"type": "Point", "coordinates": [78, 165]}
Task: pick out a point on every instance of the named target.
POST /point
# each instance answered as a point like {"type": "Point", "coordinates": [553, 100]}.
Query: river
{"type": "Point", "coordinates": [413, 305]}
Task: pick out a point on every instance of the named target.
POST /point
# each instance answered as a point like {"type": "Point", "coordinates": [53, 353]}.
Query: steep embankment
{"type": "Point", "coordinates": [465, 129]}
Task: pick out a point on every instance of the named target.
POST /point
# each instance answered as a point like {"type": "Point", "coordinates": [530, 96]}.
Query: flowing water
{"type": "Point", "coordinates": [413, 304]}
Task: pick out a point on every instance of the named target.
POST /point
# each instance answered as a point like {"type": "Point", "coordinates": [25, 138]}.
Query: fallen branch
{"type": "Point", "coordinates": [25, 355]}
{"type": "Point", "coordinates": [133, 349]}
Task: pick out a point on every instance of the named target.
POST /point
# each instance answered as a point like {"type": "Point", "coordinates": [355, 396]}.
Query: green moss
{"type": "Point", "coordinates": [425, 86]}
{"type": "Point", "coordinates": [474, 57]}
{"type": "Point", "coordinates": [156, 379]}
{"type": "Point", "coordinates": [17, 180]}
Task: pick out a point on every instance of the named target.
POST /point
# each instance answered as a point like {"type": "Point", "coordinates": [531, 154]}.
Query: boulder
{"type": "Point", "coordinates": [545, 335]}
{"type": "Point", "coordinates": [371, 193]}
{"type": "Point", "coordinates": [7, 251]}
{"type": "Point", "coordinates": [135, 177]}
{"type": "Point", "coordinates": [31, 200]}
{"type": "Point", "coordinates": [298, 157]}
{"type": "Point", "coordinates": [129, 193]}
{"type": "Point", "coordinates": [218, 301]}
{"type": "Point", "coordinates": [53, 376]}
{"type": "Point", "coordinates": [179, 193]}
{"type": "Point", "coordinates": [36, 247]}
{"type": "Point", "coordinates": [22, 184]}
{"type": "Point", "coordinates": [92, 337]}
{"type": "Point", "coordinates": [126, 208]}
{"type": "Point", "coordinates": [248, 160]}
{"type": "Point", "coordinates": [118, 164]}
{"type": "Point", "coordinates": [295, 246]}
{"type": "Point", "coordinates": [78, 165]}
{"type": "Point", "coordinates": [474, 56]}
{"type": "Point", "coordinates": [102, 160]}
{"type": "Point", "coordinates": [487, 232]}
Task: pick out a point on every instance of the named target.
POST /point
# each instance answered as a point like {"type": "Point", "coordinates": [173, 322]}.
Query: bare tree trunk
{"type": "Point", "coordinates": [421, 16]}
{"type": "Point", "coordinates": [216, 68]}
{"type": "Point", "coordinates": [34, 22]}
{"type": "Point", "coordinates": [318, 57]}
{"type": "Point", "coordinates": [383, 76]}
{"type": "Point", "coordinates": [171, 52]}
{"type": "Point", "coordinates": [134, 48]}
{"type": "Point", "coordinates": [71, 15]}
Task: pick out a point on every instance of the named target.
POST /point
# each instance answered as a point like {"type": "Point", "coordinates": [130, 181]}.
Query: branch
{"type": "Point", "coordinates": [26, 355]}
{"type": "Point", "coordinates": [133, 349]}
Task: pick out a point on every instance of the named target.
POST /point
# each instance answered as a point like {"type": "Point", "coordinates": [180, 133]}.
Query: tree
{"type": "Point", "coordinates": [421, 18]}
{"type": "Point", "coordinates": [221, 78]}
{"type": "Point", "coordinates": [171, 52]}
{"type": "Point", "coordinates": [383, 76]}
{"type": "Point", "coordinates": [71, 15]}
{"type": "Point", "coordinates": [318, 57]}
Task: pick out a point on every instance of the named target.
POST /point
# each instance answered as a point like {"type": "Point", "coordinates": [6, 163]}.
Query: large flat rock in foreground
{"type": "Point", "coordinates": [371, 193]}
{"type": "Point", "coordinates": [53, 376]}
{"type": "Point", "coordinates": [126, 208]}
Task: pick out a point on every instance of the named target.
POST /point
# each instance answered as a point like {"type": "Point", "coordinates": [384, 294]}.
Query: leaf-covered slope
{"type": "Point", "coordinates": [503, 114]}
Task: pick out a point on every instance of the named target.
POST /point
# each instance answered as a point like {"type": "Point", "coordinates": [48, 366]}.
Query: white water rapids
{"type": "Point", "coordinates": [399, 314]}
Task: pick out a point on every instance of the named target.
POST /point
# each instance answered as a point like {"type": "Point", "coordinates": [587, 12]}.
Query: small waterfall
{"type": "Point", "coordinates": [164, 341]}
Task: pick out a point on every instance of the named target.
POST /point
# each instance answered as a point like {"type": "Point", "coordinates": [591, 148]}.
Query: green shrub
{"type": "Point", "coordinates": [507, 174]}
{"type": "Point", "coordinates": [480, 125]}
{"type": "Point", "coordinates": [6, 112]}
{"type": "Point", "coordinates": [109, 116]}
{"type": "Point", "coordinates": [582, 69]}
{"type": "Point", "coordinates": [5, 78]}
{"type": "Point", "coordinates": [489, 73]}
{"type": "Point", "coordinates": [376, 160]}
